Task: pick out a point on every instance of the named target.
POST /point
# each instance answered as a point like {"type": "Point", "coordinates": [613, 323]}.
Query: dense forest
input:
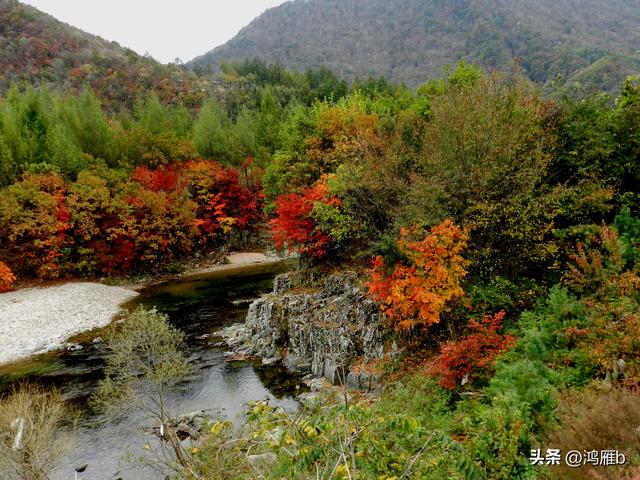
{"type": "Point", "coordinates": [497, 229]}
{"type": "Point", "coordinates": [592, 42]}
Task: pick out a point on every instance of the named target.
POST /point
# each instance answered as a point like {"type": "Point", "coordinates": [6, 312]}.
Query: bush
{"type": "Point", "coordinates": [472, 358]}
{"type": "Point", "coordinates": [6, 278]}
{"type": "Point", "coordinates": [498, 439]}
{"type": "Point", "coordinates": [32, 439]}
{"type": "Point", "coordinates": [597, 420]}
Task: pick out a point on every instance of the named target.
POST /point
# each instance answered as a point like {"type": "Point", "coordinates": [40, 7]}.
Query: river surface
{"type": "Point", "coordinates": [198, 306]}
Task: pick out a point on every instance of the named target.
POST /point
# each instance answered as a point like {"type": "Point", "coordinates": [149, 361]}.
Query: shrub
{"type": "Point", "coordinates": [32, 439]}
{"type": "Point", "coordinates": [597, 420]}
{"type": "Point", "coordinates": [610, 293]}
{"type": "Point", "coordinates": [6, 278]}
{"type": "Point", "coordinates": [471, 358]}
{"type": "Point", "coordinates": [497, 437]}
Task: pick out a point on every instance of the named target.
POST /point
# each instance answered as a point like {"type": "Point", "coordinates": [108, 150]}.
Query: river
{"type": "Point", "coordinates": [197, 305]}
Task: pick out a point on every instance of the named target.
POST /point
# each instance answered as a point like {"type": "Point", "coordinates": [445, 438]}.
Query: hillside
{"type": "Point", "coordinates": [411, 40]}
{"type": "Point", "coordinates": [40, 50]}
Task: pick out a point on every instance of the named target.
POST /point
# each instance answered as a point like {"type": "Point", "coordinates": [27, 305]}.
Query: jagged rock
{"type": "Point", "coordinates": [334, 372]}
{"type": "Point", "coordinates": [353, 380]}
{"type": "Point", "coordinates": [296, 363]}
{"type": "Point", "coordinates": [321, 332]}
{"type": "Point", "coordinates": [315, 384]}
{"type": "Point", "coordinates": [362, 381]}
{"type": "Point", "coordinates": [284, 283]}
{"type": "Point", "coordinates": [184, 431]}
{"type": "Point", "coordinates": [188, 425]}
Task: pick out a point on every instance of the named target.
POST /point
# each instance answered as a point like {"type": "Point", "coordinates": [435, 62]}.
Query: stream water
{"type": "Point", "coordinates": [198, 306]}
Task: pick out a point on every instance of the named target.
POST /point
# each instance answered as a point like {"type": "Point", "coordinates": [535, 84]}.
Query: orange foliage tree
{"type": "Point", "coordinates": [469, 358]}
{"type": "Point", "coordinates": [6, 278]}
{"type": "Point", "coordinates": [416, 293]}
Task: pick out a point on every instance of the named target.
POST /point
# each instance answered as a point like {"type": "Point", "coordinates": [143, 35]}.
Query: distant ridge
{"type": "Point", "coordinates": [411, 40]}
{"type": "Point", "coordinates": [38, 49]}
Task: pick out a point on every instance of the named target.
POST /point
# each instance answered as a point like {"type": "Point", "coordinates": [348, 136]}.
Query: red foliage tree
{"type": "Point", "coordinates": [35, 222]}
{"type": "Point", "coordinates": [415, 294]}
{"type": "Point", "coordinates": [222, 202]}
{"type": "Point", "coordinates": [98, 207]}
{"type": "Point", "coordinates": [6, 278]}
{"type": "Point", "coordinates": [162, 178]}
{"type": "Point", "coordinates": [158, 227]}
{"type": "Point", "coordinates": [293, 224]}
{"type": "Point", "coordinates": [472, 356]}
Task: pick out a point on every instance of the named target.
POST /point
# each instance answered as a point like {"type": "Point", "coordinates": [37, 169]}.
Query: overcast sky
{"type": "Point", "coordinates": [165, 29]}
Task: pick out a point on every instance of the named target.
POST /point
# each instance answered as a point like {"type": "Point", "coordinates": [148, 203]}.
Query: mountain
{"type": "Point", "coordinates": [38, 49]}
{"type": "Point", "coordinates": [412, 40]}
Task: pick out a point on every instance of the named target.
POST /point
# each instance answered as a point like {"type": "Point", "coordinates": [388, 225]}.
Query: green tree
{"type": "Point", "coordinates": [85, 118]}
{"type": "Point", "coordinates": [145, 363]}
{"type": "Point", "coordinates": [212, 133]}
{"type": "Point", "coordinates": [483, 163]}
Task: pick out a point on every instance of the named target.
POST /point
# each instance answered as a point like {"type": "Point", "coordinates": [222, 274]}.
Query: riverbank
{"type": "Point", "coordinates": [39, 319]}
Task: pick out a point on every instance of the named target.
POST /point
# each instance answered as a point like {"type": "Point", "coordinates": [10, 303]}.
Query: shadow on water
{"type": "Point", "coordinates": [198, 305]}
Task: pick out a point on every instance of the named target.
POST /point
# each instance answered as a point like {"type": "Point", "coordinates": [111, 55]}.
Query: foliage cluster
{"type": "Point", "coordinates": [107, 222]}
{"type": "Point", "coordinates": [471, 358]}
{"type": "Point", "coordinates": [6, 278]}
{"type": "Point", "coordinates": [294, 224]}
{"type": "Point", "coordinates": [418, 293]}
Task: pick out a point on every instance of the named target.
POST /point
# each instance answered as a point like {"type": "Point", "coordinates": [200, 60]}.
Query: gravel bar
{"type": "Point", "coordinates": [36, 320]}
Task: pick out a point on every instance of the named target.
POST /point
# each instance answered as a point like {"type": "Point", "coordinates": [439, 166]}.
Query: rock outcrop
{"type": "Point", "coordinates": [324, 332]}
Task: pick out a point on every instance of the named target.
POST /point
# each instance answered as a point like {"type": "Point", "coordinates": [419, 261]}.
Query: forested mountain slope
{"type": "Point", "coordinates": [38, 49]}
{"type": "Point", "coordinates": [411, 40]}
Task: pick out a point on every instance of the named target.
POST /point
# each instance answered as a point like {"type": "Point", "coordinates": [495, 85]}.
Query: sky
{"type": "Point", "coordinates": [165, 29]}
